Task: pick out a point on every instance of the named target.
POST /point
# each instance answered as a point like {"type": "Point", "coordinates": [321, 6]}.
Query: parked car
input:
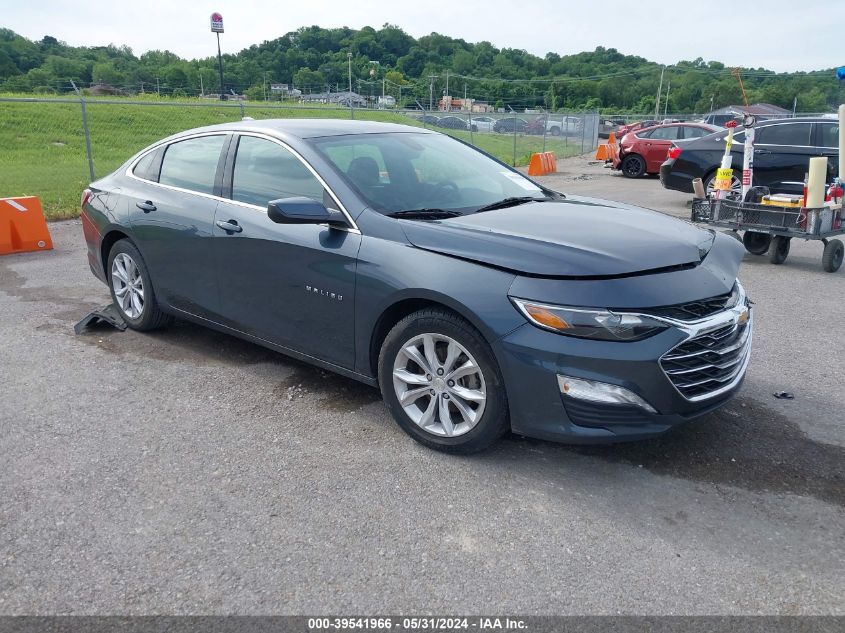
{"type": "Point", "coordinates": [554, 124]}
{"type": "Point", "coordinates": [476, 299]}
{"type": "Point", "coordinates": [622, 130]}
{"type": "Point", "coordinates": [483, 123]}
{"type": "Point", "coordinates": [429, 119]}
{"type": "Point", "coordinates": [643, 151]}
{"type": "Point", "coordinates": [453, 123]}
{"type": "Point", "coordinates": [782, 152]}
{"type": "Point", "coordinates": [508, 124]}
{"type": "Point", "coordinates": [606, 126]}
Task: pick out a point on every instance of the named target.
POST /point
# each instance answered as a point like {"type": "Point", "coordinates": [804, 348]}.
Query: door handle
{"type": "Point", "coordinates": [146, 206]}
{"type": "Point", "coordinates": [230, 226]}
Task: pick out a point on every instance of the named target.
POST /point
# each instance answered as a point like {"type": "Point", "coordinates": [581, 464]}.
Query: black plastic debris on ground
{"type": "Point", "coordinates": [106, 315]}
{"type": "Point", "coordinates": [783, 395]}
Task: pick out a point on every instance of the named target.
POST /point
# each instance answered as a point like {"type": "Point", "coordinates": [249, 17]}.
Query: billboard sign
{"type": "Point", "coordinates": [216, 23]}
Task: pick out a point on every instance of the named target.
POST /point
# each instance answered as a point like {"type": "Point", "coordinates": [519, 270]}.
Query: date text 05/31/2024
{"type": "Point", "coordinates": [417, 624]}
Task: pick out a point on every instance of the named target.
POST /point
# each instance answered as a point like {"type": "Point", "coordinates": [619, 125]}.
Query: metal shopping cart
{"type": "Point", "coordinates": [769, 229]}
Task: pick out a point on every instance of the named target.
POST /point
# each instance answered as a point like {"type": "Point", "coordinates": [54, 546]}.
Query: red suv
{"type": "Point", "coordinates": [643, 151]}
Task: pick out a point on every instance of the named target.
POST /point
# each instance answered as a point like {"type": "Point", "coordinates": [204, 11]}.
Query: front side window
{"type": "Point", "coordinates": [192, 164]}
{"type": "Point", "coordinates": [784, 134]}
{"type": "Point", "coordinates": [266, 171]}
{"type": "Point", "coordinates": [407, 171]}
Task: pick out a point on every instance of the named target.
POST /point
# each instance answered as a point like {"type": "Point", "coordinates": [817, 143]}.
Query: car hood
{"type": "Point", "coordinates": [572, 238]}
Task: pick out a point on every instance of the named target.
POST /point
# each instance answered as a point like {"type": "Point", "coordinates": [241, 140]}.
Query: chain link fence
{"type": "Point", "coordinates": [53, 147]}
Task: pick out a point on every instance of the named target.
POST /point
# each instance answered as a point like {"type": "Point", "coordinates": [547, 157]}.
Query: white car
{"type": "Point", "coordinates": [483, 123]}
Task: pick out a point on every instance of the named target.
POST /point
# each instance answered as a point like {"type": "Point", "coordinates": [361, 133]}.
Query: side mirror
{"type": "Point", "coordinates": [301, 210]}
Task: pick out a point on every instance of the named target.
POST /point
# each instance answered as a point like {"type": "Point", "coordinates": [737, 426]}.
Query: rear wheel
{"type": "Point", "coordinates": [756, 243]}
{"type": "Point", "coordinates": [555, 131]}
{"type": "Point", "coordinates": [710, 180]}
{"type": "Point", "coordinates": [633, 166]}
{"type": "Point", "coordinates": [132, 289]}
{"type": "Point", "coordinates": [441, 383]}
{"type": "Point", "coordinates": [834, 252]}
{"type": "Point", "coordinates": [779, 249]}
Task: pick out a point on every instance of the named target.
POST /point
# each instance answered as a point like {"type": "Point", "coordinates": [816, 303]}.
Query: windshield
{"type": "Point", "coordinates": [397, 172]}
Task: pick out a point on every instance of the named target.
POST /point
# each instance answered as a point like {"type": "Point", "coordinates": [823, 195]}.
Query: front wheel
{"type": "Point", "coordinates": [779, 250]}
{"type": "Point", "coordinates": [555, 131]}
{"type": "Point", "coordinates": [834, 252]}
{"type": "Point", "coordinates": [132, 289]}
{"type": "Point", "coordinates": [441, 382]}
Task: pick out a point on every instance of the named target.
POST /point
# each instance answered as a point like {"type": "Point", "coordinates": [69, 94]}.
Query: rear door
{"type": "Point", "coordinates": [172, 215]}
{"type": "Point", "coordinates": [290, 284]}
{"type": "Point", "coordinates": [656, 146]}
{"type": "Point", "coordinates": [782, 154]}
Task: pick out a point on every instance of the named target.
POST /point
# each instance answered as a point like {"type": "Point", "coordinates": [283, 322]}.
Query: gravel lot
{"type": "Point", "coordinates": [188, 472]}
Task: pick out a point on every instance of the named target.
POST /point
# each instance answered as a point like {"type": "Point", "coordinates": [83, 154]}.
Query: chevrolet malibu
{"type": "Point", "coordinates": [477, 300]}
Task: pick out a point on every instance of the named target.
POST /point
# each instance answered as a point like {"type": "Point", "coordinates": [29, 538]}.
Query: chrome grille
{"type": "Point", "coordinates": [710, 363]}
{"type": "Point", "coordinates": [693, 309]}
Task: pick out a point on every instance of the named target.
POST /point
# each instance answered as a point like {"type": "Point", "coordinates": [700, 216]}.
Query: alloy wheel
{"type": "Point", "coordinates": [439, 385]}
{"type": "Point", "coordinates": [128, 285]}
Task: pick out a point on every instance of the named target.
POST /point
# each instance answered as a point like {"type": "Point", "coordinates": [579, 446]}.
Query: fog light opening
{"type": "Point", "coordinates": [603, 392]}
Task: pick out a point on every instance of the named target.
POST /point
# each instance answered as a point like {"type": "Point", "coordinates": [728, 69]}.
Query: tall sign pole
{"type": "Point", "coordinates": [217, 27]}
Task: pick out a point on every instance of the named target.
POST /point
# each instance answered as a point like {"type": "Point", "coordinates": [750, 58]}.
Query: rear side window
{"type": "Point", "coordinates": [143, 166]}
{"type": "Point", "coordinates": [784, 134]}
{"type": "Point", "coordinates": [192, 164]}
{"type": "Point", "coordinates": [830, 134]}
{"type": "Point", "coordinates": [695, 132]}
{"type": "Point", "coordinates": [266, 171]}
{"type": "Point", "coordinates": [669, 133]}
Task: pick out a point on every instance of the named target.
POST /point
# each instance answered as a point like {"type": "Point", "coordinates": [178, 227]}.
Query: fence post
{"type": "Point", "coordinates": [242, 110]}
{"type": "Point", "coordinates": [471, 141]}
{"type": "Point", "coordinates": [583, 130]}
{"type": "Point", "coordinates": [514, 137]}
{"type": "Point", "coordinates": [545, 128]}
{"type": "Point", "coordinates": [85, 131]}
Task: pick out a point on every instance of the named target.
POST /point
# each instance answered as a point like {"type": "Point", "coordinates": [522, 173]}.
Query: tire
{"type": "Point", "coordinates": [756, 243]}
{"type": "Point", "coordinates": [633, 166]}
{"type": "Point", "coordinates": [421, 417]}
{"type": "Point", "coordinates": [142, 312]}
{"type": "Point", "coordinates": [736, 184]}
{"type": "Point", "coordinates": [555, 131]}
{"type": "Point", "coordinates": [779, 249]}
{"type": "Point", "coordinates": [474, 128]}
{"type": "Point", "coordinates": [834, 252]}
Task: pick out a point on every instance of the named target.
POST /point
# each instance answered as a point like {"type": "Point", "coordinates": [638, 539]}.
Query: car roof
{"type": "Point", "coordinates": [307, 128]}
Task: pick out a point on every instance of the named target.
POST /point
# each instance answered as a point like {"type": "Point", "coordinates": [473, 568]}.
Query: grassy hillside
{"type": "Point", "coordinates": [44, 146]}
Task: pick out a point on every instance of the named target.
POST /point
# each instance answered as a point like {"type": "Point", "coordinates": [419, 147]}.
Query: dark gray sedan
{"type": "Point", "coordinates": [476, 299]}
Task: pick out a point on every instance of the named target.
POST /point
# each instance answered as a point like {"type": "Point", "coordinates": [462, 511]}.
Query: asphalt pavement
{"type": "Point", "coordinates": [185, 471]}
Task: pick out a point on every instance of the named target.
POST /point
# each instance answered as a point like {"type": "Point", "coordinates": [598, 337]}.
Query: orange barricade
{"type": "Point", "coordinates": [542, 163]}
{"type": "Point", "coordinates": [22, 226]}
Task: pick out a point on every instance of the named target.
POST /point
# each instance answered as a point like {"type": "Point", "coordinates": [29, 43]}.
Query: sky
{"type": "Point", "coordinates": [783, 35]}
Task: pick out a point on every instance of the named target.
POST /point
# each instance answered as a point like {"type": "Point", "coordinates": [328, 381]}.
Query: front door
{"type": "Point", "coordinates": [290, 284]}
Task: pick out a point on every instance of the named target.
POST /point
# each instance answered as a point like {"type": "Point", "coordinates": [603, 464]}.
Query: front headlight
{"type": "Point", "coordinates": [602, 325]}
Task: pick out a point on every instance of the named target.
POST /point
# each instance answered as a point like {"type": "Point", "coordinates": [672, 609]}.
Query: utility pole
{"type": "Point", "coordinates": [659, 90]}
{"type": "Point", "coordinates": [447, 89]}
{"type": "Point", "coordinates": [202, 90]}
{"type": "Point", "coordinates": [158, 92]}
{"type": "Point", "coordinates": [666, 107]}
{"type": "Point", "coordinates": [431, 92]}
{"type": "Point", "coordinates": [349, 61]}
{"type": "Point", "coordinates": [264, 85]}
